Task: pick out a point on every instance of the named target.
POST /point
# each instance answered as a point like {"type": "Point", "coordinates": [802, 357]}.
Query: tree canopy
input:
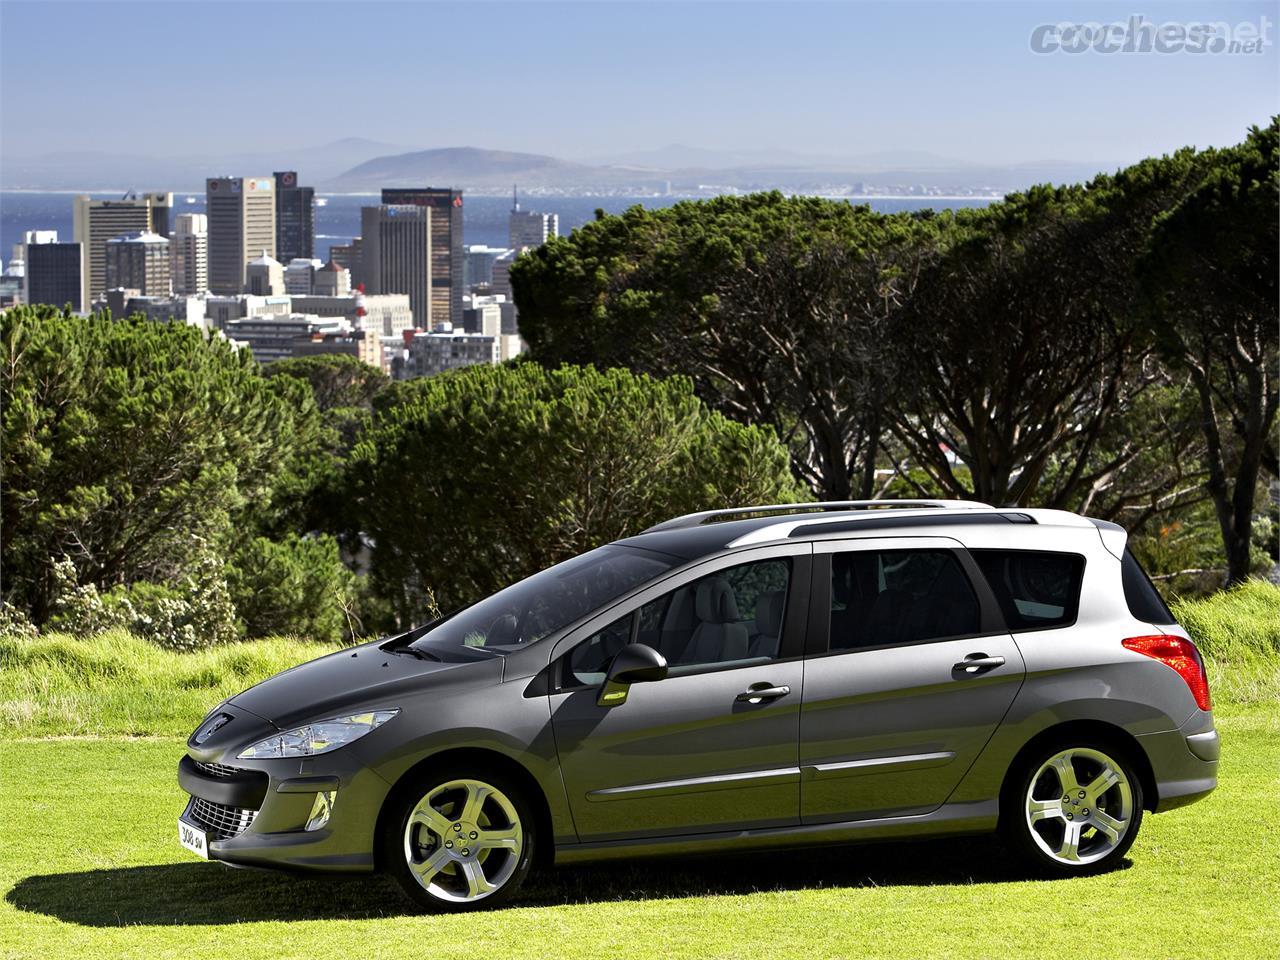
{"type": "Point", "coordinates": [128, 442]}
{"type": "Point", "coordinates": [468, 481]}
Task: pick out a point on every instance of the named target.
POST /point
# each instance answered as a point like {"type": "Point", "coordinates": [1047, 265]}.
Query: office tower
{"type": "Point", "coordinates": [242, 226]}
{"type": "Point", "coordinates": [139, 261]}
{"type": "Point", "coordinates": [398, 257]}
{"type": "Point", "coordinates": [295, 218]}
{"type": "Point", "coordinates": [189, 255]}
{"type": "Point", "coordinates": [264, 277]}
{"type": "Point", "coordinates": [479, 264]}
{"type": "Point", "coordinates": [500, 274]}
{"type": "Point", "coordinates": [52, 275]}
{"type": "Point", "coordinates": [97, 221]}
{"type": "Point", "coordinates": [446, 264]}
{"type": "Point", "coordinates": [529, 229]}
{"type": "Point", "coordinates": [351, 257]}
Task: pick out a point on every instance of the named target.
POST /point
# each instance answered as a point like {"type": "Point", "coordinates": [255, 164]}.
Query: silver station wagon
{"type": "Point", "coordinates": [736, 679]}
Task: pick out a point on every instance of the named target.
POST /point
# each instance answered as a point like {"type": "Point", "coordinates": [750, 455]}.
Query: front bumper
{"type": "Point", "coordinates": [257, 812]}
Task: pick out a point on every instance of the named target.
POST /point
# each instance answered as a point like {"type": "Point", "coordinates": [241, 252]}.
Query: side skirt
{"type": "Point", "coordinates": [948, 820]}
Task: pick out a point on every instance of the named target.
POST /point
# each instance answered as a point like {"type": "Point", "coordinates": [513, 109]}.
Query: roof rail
{"type": "Point", "coordinates": [696, 519]}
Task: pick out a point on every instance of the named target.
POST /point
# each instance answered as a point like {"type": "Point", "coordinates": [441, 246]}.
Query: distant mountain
{"type": "Point", "coordinates": [99, 171]}
{"type": "Point", "coordinates": [476, 169]}
{"type": "Point", "coordinates": [355, 165]}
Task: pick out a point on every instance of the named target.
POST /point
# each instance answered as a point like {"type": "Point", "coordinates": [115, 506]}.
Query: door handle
{"type": "Point", "coordinates": [976, 663]}
{"type": "Point", "coordinates": [760, 692]}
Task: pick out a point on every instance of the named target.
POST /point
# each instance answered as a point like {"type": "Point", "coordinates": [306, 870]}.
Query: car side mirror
{"type": "Point", "coordinates": [634, 663]}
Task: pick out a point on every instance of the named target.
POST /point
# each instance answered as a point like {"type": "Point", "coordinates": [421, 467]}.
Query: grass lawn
{"type": "Point", "coordinates": [90, 867]}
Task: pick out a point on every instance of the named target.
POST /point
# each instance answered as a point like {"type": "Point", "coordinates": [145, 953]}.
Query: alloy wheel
{"type": "Point", "coordinates": [463, 840]}
{"type": "Point", "coordinates": [1079, 806]}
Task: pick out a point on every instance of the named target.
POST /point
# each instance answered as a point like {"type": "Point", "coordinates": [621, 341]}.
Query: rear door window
{"type": "Point", "coordinates": [882, 598]}
{"type": "Point", "coordinates": [1036, 590]}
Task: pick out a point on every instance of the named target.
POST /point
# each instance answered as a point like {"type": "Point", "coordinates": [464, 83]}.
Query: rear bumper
{"type": "Point", "coordinates": [259, 817]}
{"type": "Point", "coordinates": [1184, 762]}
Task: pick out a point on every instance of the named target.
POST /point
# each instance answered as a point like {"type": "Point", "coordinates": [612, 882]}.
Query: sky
{"type": "Point", "coordinates": [956, 79]}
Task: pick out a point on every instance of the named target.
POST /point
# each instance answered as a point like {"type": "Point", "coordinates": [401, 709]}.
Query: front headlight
{"type": "Point", "coordinates": [319, 737]}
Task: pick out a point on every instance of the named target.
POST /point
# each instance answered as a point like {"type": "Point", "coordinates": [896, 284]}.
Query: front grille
{"type": "Point", "coordinates": [219, 821]}
{"type": "Point", "coordinates": [217, 769]}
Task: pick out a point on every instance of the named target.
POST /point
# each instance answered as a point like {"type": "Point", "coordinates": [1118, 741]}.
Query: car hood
{"type": "Point", "coordinates": [353, 680]}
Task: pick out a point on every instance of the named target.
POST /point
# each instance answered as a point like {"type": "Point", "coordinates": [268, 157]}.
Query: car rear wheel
{"type": "Point", "coordinates": [1073, 809]}
{"type": "Point", "coordinates": [461, 840]}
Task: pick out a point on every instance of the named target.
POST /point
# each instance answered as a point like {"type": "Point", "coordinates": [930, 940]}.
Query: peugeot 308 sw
{"type": "Point", "coordinates": [770, 676]}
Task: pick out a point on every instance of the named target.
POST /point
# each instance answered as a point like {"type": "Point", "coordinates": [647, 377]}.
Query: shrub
{"type": "Point", "coordinates": [15, 623]}
{"type": "Point", "coordinates": [194, 613]}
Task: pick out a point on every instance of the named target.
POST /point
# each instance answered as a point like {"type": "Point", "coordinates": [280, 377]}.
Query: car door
{"type": "Point", "coordinates": [911, 671]}
{"type": "Point", "coordinates": [714, 745]}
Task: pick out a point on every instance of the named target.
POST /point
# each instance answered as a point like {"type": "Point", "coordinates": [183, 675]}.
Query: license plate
{"type": "Point", "coordinates": [193, 839]}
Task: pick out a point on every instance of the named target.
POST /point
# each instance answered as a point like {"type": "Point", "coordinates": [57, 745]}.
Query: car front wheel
{"type": "Point", "coordinates": [460, 841]}
{"type": "Point", "coordinates": [1073, 809]}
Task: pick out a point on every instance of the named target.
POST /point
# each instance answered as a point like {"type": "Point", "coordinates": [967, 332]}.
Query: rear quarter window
{"type": "Point", "coordinates": [1036, 590]}
{"type": "Point", "coordinates": [1141, 595]}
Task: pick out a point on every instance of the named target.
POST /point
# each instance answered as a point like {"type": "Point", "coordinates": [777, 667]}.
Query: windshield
{"type": "Point", "coordinates": [539, 605]}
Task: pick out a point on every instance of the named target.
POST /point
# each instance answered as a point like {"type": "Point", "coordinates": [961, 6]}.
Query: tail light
{"type": "Point", "coordinates": [1180, 654]}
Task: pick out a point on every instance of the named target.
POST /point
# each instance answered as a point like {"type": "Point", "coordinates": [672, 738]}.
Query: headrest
{"type": "Point", "coordinates": [504, 630]}
{"type": "Point", "coordinates": [680, 612]}
{"type": "Point", "coordinates": [715, 602]}
{"type": "Point", "coordinates": [769, 613]}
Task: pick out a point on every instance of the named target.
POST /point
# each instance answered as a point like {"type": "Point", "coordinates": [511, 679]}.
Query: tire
{"type": "Point", "coordinates": [459, 839]}
{"type": "Point", "coordinates": [1073, 808]}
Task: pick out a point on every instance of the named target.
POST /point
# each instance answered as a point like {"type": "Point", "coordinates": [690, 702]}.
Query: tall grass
{"type": "Point", "coordinates": [1238, 631]}
{"type": "Point", "coordinates": [115, 683]}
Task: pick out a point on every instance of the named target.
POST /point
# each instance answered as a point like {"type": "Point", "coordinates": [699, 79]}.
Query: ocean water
{"type": "Point", "coordinates": [484, 218]}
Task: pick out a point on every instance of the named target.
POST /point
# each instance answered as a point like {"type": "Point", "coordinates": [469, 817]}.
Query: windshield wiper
{"type": "Point", "coordinates": [414, 652]}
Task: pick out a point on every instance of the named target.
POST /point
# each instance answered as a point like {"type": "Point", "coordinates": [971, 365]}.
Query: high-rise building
{"type": "Point", "coordinates": [97, 221]}
{"type": "Point", "coordinates": [189, 254]}
{"type": "Point", "coordinates": [444, 228]}
{"type": "Point", "coordinates": [242, 226]}
{"type": "Point", "coordinates": [479, 264]}
{"type": "Point", "coordinates": [295, 218]}
{"type": "Point", "coordinates": [349, 256]}
{"type": "Point", "coordinates": [500, 274]}
{"type": "Point", "coordinates": [398, 257]}
{"type": "Point", "coordinates": [52, 275]}
{"type": "Point", "coordinates": [527, 228]}
{"type": "Point", "coordinates": [139, 261]}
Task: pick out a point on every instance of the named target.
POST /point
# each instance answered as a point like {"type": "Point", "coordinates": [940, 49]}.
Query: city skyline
{"type": "Point", "coordinates": [626, 78]}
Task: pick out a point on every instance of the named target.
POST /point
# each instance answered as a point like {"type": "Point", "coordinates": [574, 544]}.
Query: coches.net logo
{"type": "Point", "coordinates": [1139, 34]}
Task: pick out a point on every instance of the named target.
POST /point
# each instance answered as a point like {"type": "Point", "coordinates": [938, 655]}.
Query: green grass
{"type": "Point", "coordinates": [90, 867]}
{"type": "Point", "coordinates": [1239, 632]}
{"type": "Point", "coordinates": [116, 683]}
